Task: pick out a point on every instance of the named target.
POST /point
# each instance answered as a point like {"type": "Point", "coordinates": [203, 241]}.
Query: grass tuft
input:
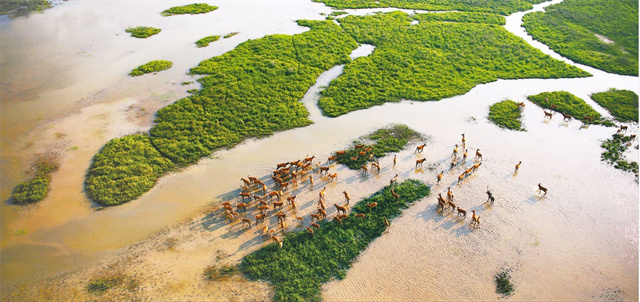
{"type": "Point", "coordinates": [507, 115]}
{"type": "Point", "coordinates": [204, 42]}
{"type": "Point", "coordinates": [192, 9]}
{"type": "Point", "coordinates": [503, 283]}
{"type": "Point", "coordinates": [143, 31]}
{"type": "Point", "coordinates": [153, 66]}
{"type": "Point", "coordinates": [36, 188]}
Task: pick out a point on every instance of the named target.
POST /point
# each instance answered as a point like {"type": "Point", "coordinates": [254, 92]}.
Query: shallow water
{"type": "Point", "coordinates": [578, 242]}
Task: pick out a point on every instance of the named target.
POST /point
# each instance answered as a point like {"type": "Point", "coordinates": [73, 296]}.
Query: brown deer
{"type": "Point", "coordinates": [420, 161]}
{"type": "Point", "coordinates": [281, 216]}
{"type": "Point", "coordinates": [359, 146]}
{"type": "Point", "coordinates": [315, 217]}
{"type": "Point", "coordinates": [455, 151]}
{"type": "Point", "coordinates": [291, 199]}
{"type": "Point", "coordinates": [461, 177]}
{"type": "Point", "coordinates": [315, 225]}
{"type": "Point", "coordinates": [478, 154]}
{"type": "Point", "coordinates": [324, 169]}
{"type": "Point", "coordinates": [310, 231]}
{"type": "Point", "coordinates": [263, 208]}
{"type": "Point", "coordinates": [321, 204]}
{"type": "Point", "coordinates": [588, 118]}
{"type": "Point", "coordinates": [277, 240]}
{"type": "Point", "coordinates": [323, 213]}
{"type": "Point", "coordinates": [464, 156]}
{"type": "Point", "coordinates": [376, 165]}
{"type": "Point", "coordinates": [449, 194]}
{"type": "Point", "coordinates": [440, 176]}
{"type": "Point", "coordinates": [476, 166]}
{"type": "Point", "coordinates": [462, 212]}
{"type": "Point", "coordinates": [242, 206]}
{"type": "Point", "coordinates": [419, 148]}
{"type": "Point", "coordinates": [277, 204]}
{"type": "Point", "coordinates": [309, 159]}
{"type": "Point", "coordinates": [283, 185]}
{"type": "Point", "coordinates": [246, 182]}
{"type": "Point", "coordinates": [337, 219]}
{"type": "Point", "coordinates": [253, 180]}
{"type": "Point", "coordinates": [321, 194]}
{"type": "Point", "coordinates": [245, 194]}
{"type": "Point", "coordinates": [244, 188]}
{"type": "Point", "coordinates": [475, 219]}
{"type": "Point", "coordinates": [311, 180]}
{"type": "Point", "coordinates": [365, 170]}
{"type": "Point", "coordinates": [386, 222]}
{"type": "Point", "coordinates": [372, 205]}
{"type": "Point", "coordinates": [333, 176]}
{"type": "Point", "coordinates": [393, 180]}
{"type": "Point", "coordinates": [262, 202]}
{"type": "Point", "coordinates": [260, 217]}
{"type": "Point", "coordinates": [281, 165]}
{"type": "Point", "coordinates": [464, 140]}
{"type": "Point", "coordinates": [346, 196]}
{"type": "Point", "coordinates": [274, 193]}
{"type": "Point", "coordinates": [343, 216]}
{"type": "Point", "coordinates": [300, 219]}
{"type": "Point", "coordinates": [353, 158]}
{"type": "Point", "coordinates": [360, 215]}
{"type": "Point", "coordinates": [226, 204]}
{"type": "Point", "coordinates": [331, 158]}
{"type": "Point", "coordinates": [451, 205]}
{"type": "Point", "coordinates": [518, 165]}
{"type": "Point", "coordinates": [566, 117]}
{"type": "Point", "coordinates": [548, 114]}
{"type": "Point", "coordinates": [520, 105]}
{"type": "Point", "coordinates": [542, 189]}
{"type": "Point", "coordinates": [394, 160]}
{"type": "Point", "coordinates": [247, 221]}
{"type": "Point", "coordinates": [553, 106]}
{"type": "Point", "coordinates": [341, 209]}
{"type": "Point", "coordinates": [395, 195]}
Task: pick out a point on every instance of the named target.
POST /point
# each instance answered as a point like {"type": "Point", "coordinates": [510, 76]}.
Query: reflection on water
{"type": "Point", "coordinates": [572, 244]}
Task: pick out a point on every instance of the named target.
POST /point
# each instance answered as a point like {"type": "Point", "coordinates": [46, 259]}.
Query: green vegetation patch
{"type": "Point", "coordinates": [506, 114]}
{"type": "Point", "coordinates": [192, 9]}
{"type": "Point", "coordinates": [503, 7]}
{"type": "Point", "coordinates": [153, 66]}
{"type": "Point", "coordinates": [215, 273]}
{"type": "Point", "coordinates": [229, 35]}
{"type": "Point", "coordinates": [250, 91]}
{"type": "Point", "coordinates": [571, 28]}
{"type": "Point", "coordinates": [105, 281]}
{"type": "Point", "coordinates": [623, 104]}
{"type": "Point", "coordinates": [305, 261]}
{"type": "Point", "coordinates": [462, 17]}
{"type": "Point", "coordinates": [36, 188]}
{"type": "Point", "coordinates": [503, 283]}
{"type": "Point", "coordinates": [569, 104]}
{"type": "Point", "coordinates": [143, 31]}
{"type": "Point", "coordinates": [204, 42]}
{"type": "Point", "coordinates": [613, 153]}
{"type": "Point", "coordinates": [430, 61]}
{"type": "Point", "coordinates": [124, 169]}
{"type": "Point", "coordinates": [380, 142]}
{"type": "Point", "coordinates": [16, 8]}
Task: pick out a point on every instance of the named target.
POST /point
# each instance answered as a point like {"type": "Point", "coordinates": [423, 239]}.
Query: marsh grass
{"type": "Point", "coordinates": [298, 269]}
{"type": "Point", "coordinates": [204, 42]}
{"type": "Point", "coordinates": [569, 104]}
{"type": "Point", "coordinates": [153, 66]}
{"type": "Point", "coordinates": [503, 283]}
{"type": "Point", "coordinates": [192, 9]}
{"type": "Point", "coordinates": [17, 8]}
{"type": "Point", "coordinates": [571, 28]}
{"type": "Point", "coordinates": [507, 115]}
{"type": "Point", "coordinates": [108, 280]}
{"type": "Point", "coordinates": [430, 61]}
{"type": "Point", "coordinates": [622, 104]}
{"type": "Point", "coordinates": [463, 17]}
{"type": "Point", "coordinates": [220, 273]}
{"type": "Point", "coordinates": [503, 7]}
{"type": "Point", "coordinates": [143, 31]}
{"type": "Point", "coordinates": [37, 186]}
{"type": "Point", "coordinates": [613, 153]}
{"type": "Point", "coordinates": [229, 35]}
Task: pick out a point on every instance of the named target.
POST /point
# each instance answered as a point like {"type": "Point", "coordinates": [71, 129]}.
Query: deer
{"type": "Point", "coordinates": [321, 204]}
{"type": "Point", "coordinates": [331, 158]}
{"type": "Point", "coordinates": [226, 204]}
{"type": "Point", "coordinates": [542, 189]}
{"type": "Point", "coordinates": [291, 199]}
{"type": "Point", "coordinates": [244, 188]}
{"type": "Point", "coordinates": [478, 154]}
{"type": "Point", "coordinates": [247, 221]}
{"type": "Point", "coordinates": [588, 118]}
{"type": "Point", "coordinates": [337, 219]}
{"type": "Point", "coordinates": [464, 140]}
{"type": "Point", "coordinates": [274, 193]}
{"type": "Point", "coordinates": [322, 213]}
{"type": "Point", "coordinates": [346, 196]}
{"type": "Point", "coordinates": [324, 169]}
{"type": "Point", "coordinates": [622, 129]}
{"type": "Point", "coordinates": [490, 198]}
{"type": "Point", "coordinates": [365, 170]}
{"type": "Point", "coordinates": [359, 146]}
{"type": "Point", "coordinates": [333, 176]}
{"type": "Point", "coordinates": [277, 240]}
{"type": "Point", "coordinates": [449, 194]}
{"type": "Point", "coordinates": [360, 215]}
{"type": "Point", "coordinates": [309, 159]}
{"type": "Point", "coordinates": [476, 166]}
{"type": "Point", "coordinates": [263, 208]}
{"type": "Point", "coordinates": [566, 117]}
{"type": "Point", "coordinates": [353, 158]}
{"type": "Point", "coordinates": [372, 205]}
{"type": "Point", "coordinates": [315, 225]}
{"type": "Point", "coordinates": [321, 194]}
{"type": "Point", "coordinates": [245, 194]}
{"type": "Point", "coordinates": [553, 106]}
{"type": "Point", "coordinates": [440, 176]}
{"type": "Point", "coordinates": [376, 165]}
{"type": "Point", "coordinates": [393, 180]}
{"type": "Point", "coordinates": [419, 162]}
{"type": "Point", "coordinates": [455, 151]}
{"type": "Point", "coordinates": [310, 231]}
{"type": "Point", "coordinates": [284, 185]}
{"type": "Point", "coordinates": [475, 219]}
{"type": "Point", "coordinates": [260, 217]}
{"type": "Point", "coordinates": [451, 205]}
{"type": "Point", "coordinates": [277, 204]}
{"type": "Point", "coordinates": [548, 114]}
{"type": "Point", "coordinates": [315, 217]}
{"type": "Point", "coordinates": [520, 105]}
{"type": "Point", "coordinates": [394, 160]}
{"type": "Point", "coordinates": [461, 177]}
{"type": "Point", "coordinates": [386, 222]}
{"type": "Point", "coordinates": [242, 206]}
{"type": "Point", "coordinates": [395, 195]}
{"type": "Point", "coordinates": [311, 180]}
{"type": "Point", "coordinates": [281, 165]}
{"type": "Point", "coordinates": [265, 230]}
{"type": "Point", "coordinates": [246, 182]}
{"type": "Point", "coordinates": [462, 212]}
{"type": "Point", "coordinates": [253, 180]}
{"type": "Point", "coordinates": [343, 216]}
{"type": "Point", "coordinates": [464, 156]}
{"type": "Point", "coordinates": [341, 209]}
{"type": "Point", "coordinates": [518, 166]}
{"type": "Point", "coordinates": [281, 216]}
{"type": "Point", "coordinates": [419, 148]}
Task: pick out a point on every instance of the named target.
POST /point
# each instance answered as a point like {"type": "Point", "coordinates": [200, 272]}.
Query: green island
{"type": "Point", "coordinates": [507, 115]}
{"type": "Point", "coordinates": [37, 186]}
{"type": "Point", "coordinates": [17, 8]}
{"type": "Point", "coordinates": [502, 7]}
{"type": "Point", "coordinates": [599, 33]}
{"type": "Point", "coordinates": [229, 35]}
{"type": "Point", "coordinates": [306, 261]}
{"type": "Point", "coordinates": [124, 169]}
{"type": "Point", "coordinates": [153, 66]}
{"type": "Point", "coordinates": [430, 61]}
{"type": "Point", "coordinates": [250, 91]}
{"type": "Point", "coordinates": [569, 104]}
{"type": "Point", "coordinates": [192, 9]}
{"type": "Point", "coordinates": [204, 42]}
{"type": "Point", "coordinates": [613, 153]}
{"type": "Point", "coordinates": [622, 104]}
{"type": "Point", "coordinates": [142, 31]}
{"type": "Point", "coordinates": [463, 17]}
{"type": "Point", "coordinates": [382, 141]}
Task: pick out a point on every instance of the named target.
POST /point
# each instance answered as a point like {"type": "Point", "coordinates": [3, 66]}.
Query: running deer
{"type": "Point", "coordinates": [291, 199]}
{"type": "Point", "coordinates": [419, 148]}
{"type": "Point", "coordinates": [246, 182]}
{"type": "Point", "coordinates": [333, 176]}
{"type": "Point", "coordinates": [464, 156]}
{"type": "Point", "coordinates": [520, 105]}
{"type": "Point", "coordinates": [566, 117]}
{"type": "Point", "coordinates": [277, 204]}
{"type": "Point", "coordinates": [315, 216]}
{"type": "Point", "coordinates": [462, 212]}
{"type": "Point", "coordinates": [260, 217]}
{"type": "Point", "coordinates": [419, 162]}
{"type": "Point", "coordinates": [542, 189]}
{"type": "Point", "coordinates": [321, 194]}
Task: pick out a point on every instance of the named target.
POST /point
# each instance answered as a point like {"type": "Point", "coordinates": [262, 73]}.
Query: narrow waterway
{"type": "Point", "coordinates": [578, 242]}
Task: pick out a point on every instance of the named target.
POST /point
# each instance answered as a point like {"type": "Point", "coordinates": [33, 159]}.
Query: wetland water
{"type": "Point", "coordinates": [579, 242]}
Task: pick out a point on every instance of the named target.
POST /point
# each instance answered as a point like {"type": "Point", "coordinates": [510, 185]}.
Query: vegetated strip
{"type": "Point", "coordinates": [430, 61]}
{"type": "Point", "coordinates": [305, 261]}
{"type": "Point", "coordinates": [569, 104]}
{"type": "Point", "coordinates": [204, 42]}
{"type": "Point", "coordinates": [506, 114]}
{"type": "Point", "coordinates": [613, 153]}
{"type": "Point", "coordinates": [229, 35]}
{"type": "Point", "coordinates": [376, 145]}
{"type": "Point", "coordinates": [463, 17]}
{"type": "Point", "coordinates": [143, 31]}
{"type": "Point", "coordinates": [16, 8]}
{"type": "Point", "coordinates": [250, 91]}
{"type": "Point", "coordinates": [571, 28]}
{"type": "Point", "coordinates": [153, 66]}
{"type": "Point", "coordinates": [193, 9]}
{"type": "Point", "coordinates": [36, 188]}
{"type": "Point", "coordinates": [503, 7]}
{"type": "Point", "coordinates": [622, 104]}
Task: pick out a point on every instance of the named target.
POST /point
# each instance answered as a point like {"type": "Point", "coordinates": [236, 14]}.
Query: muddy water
{"type": "Point", "coordinates": [578, 242]}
